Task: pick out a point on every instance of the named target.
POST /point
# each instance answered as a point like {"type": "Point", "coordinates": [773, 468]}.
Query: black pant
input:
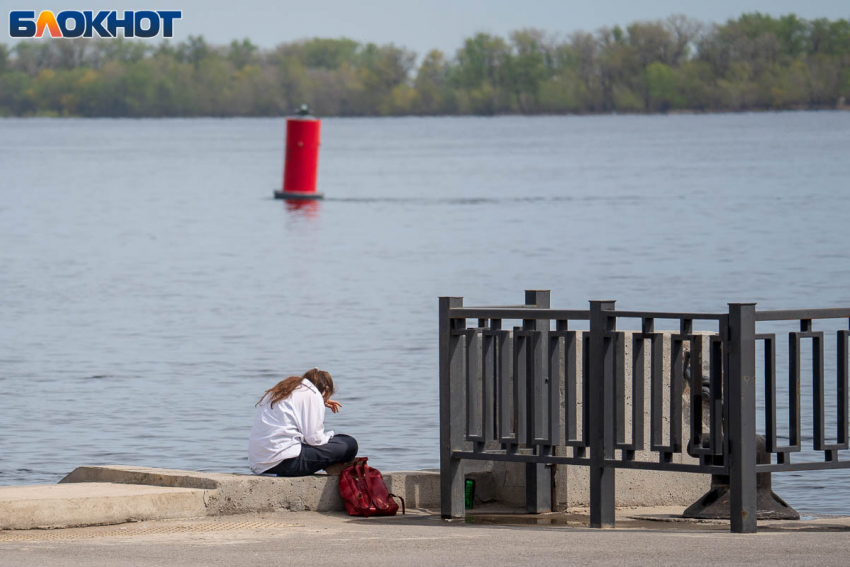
{"type": "Point", "coordinates": [340, 449]}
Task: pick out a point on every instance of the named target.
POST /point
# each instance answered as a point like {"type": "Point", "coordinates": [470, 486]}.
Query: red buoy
{"type": "Point", "coordinates": [302, 157]}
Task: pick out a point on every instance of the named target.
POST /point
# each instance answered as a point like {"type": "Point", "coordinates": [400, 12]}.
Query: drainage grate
{"type": "Point", "coordinates": [137, 530]}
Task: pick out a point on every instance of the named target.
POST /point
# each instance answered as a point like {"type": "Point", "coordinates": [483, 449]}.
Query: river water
{"type": "Point", "coordinates": [151, 289]}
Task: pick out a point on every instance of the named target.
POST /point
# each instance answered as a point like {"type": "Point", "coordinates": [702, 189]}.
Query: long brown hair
{"type": "Point", "coordinates": [320, 379]}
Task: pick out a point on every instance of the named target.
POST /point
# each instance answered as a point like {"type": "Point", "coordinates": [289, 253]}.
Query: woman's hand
{"type": "Point", "coordinates": [333, 405]}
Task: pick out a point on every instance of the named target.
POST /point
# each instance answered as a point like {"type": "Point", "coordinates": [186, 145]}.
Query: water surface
{"type": "Point", "coordinates": [151, 289]}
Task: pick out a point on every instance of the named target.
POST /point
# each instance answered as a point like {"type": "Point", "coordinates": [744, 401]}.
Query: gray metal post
{"type": "Point", "coordinates": [538, 477]}
{"type": "Point", "coordinates": [601, 393]}
{"type": "Point", "coordinates": [741, 353]}
{"type": "Point", "coordinates": [452, 411]}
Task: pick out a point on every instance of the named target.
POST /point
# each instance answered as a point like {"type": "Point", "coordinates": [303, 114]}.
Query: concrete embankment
{"type": "Point", "coordinates": [240, 493]}
{"type": "Point", "coordinates": [104, 495]}
{"type": "Point", "coordinates": [116, 494]}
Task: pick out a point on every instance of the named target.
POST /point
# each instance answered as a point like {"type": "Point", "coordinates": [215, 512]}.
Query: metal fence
{"type": "Point", "coordinates": [500, 397]}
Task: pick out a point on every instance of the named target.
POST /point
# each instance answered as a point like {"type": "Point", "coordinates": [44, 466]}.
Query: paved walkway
{"type": "Point", "coordinates": [334, 539]}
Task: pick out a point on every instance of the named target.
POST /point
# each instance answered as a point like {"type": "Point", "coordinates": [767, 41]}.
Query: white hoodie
{"type": "Point", "coordinates": [278, 432]}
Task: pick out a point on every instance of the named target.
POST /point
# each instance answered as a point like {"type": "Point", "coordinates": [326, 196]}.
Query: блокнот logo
{"type": "Point", "coordinates": [86, 23]}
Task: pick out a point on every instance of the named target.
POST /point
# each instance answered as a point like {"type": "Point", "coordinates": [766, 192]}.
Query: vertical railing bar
{"type": "Point", "coordinates": [656, 385]}
{"type": "Point", "coordinates": [488, 398]}
{"type": "Point", "coordinates": [506, 379]}
{"type": "Point", "coordinates": [843, 370]}
{"type": "Point", "coordinates": [742, 409]}
{"type": "Point", "coordinates": [770, 395]}
{"type": "Point", "coordinates": [556, 362]}
{"type": "Point", "coordinates": [724, 324]}
{"type": "Point", "coordinates": [496, 327]}
{"type": "Point", "coordinates": [538, 477]}
{"type": "Point", "coordinates": [817, 392]}
{"type": "Point", "coordinates": [715, 411]}
{"type": "Point", "coordinates": [794, 373]}
{"type": "Point", "coordinates": [538, 395]}
{"type": "Point", "coordinates": [452, 406]}
{"type": "Point", "coordinates": [676, 376]}
{"type": "Point", "coordinates": [585, 390]}
{"type": "Point", "coordinates": [474, 431]}
{"type": "Point", "coordinates": [696, 391]}
{"type": "Point", "coordinates": [601, 379]}
{"type": "Point", "coordinates": [686, 330]}
{"type": "Point", "coordinates": [520, 386]}
{"type": "Point", "coordinates": [619, 387]}
{"type": "Point", "coordinates": [538, 373]}
{"type": "Point", "coordinates": [638, 377]}
{"type": "Point", "coordinates": [570, 393]}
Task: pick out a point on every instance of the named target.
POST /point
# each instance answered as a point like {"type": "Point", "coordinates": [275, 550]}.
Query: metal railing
{"type": "Point", "coordinates": [500, 397]}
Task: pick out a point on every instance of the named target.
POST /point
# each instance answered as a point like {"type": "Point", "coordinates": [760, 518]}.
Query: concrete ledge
{"type": "Point", "coordinates": [115, 494]}
{"type": "Point", "coordinates": [241, 493]}
{"type": "Point", "coordinates": [144, 475]}
{"type": "Point", "coordinates": [503, 482]}
{"type": "Point", "coordinates": [72, 505]}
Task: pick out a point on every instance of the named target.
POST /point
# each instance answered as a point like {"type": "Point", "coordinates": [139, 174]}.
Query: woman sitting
{"type": "Point", "coordinates": [288, 437]}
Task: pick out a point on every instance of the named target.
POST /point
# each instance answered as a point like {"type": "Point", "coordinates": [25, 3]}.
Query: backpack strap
{"type": "Point", "coordinates": [403, 511]}
{"type": "Point", "coordinates": [360, 470]}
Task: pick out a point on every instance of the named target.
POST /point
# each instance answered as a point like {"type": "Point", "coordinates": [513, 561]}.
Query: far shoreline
{"type": "Point", "coordinates": [676, 112]}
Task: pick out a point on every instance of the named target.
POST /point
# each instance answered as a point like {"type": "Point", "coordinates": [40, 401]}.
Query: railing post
{"type": "Point", "coordinates": [600, 377]}
{"type": "Point", "coordinates": [741, 428]}
{"type": "Point", "coordinates": [452, 411]}
{"type": "Point", "coordinates": [538, 476]}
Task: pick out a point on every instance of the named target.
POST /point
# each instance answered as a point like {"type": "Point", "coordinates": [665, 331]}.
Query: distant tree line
{"type": "Point", "coordinates": [756, 62]}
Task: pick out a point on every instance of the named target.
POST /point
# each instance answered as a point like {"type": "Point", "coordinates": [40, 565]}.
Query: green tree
{"type": "Point", "coordinates": [650, 43]}
{"type": "Point", "coordinates": [698, 86]}
{"type": "Point", "coordinates": [318, 53]}
{"type": "Point", "coordinates": [430, 84]}
{"type": "Point", "coordinates": [194, 50]}
{"type": "Point", "coordinates": [662, 87]}
{"type": "Point", "coordinates": [581, 55]}
{"type": "Point", "coordinates": [242, 53]}
{"type": "Point", "coordinates": [483, 58]}
{"type": "Point", "coordinates": [14, 94]}
{"type": "Point", "coordinates": [755, 61]}
{"type": "Point", "coordinates": [530, 65]}
{"type": "Point", "coordinates": [381, 70]}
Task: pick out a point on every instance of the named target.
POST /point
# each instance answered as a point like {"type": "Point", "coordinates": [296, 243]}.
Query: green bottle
{"type": "Point", "coordinates": [469, 493]}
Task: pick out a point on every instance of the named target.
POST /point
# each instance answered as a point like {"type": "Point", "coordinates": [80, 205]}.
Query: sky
{"type": "Point", "coordinates": [419, 25]}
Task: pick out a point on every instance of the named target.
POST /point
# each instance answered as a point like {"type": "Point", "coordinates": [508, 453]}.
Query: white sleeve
{"type": "Point", "coordinates": [313, 421]}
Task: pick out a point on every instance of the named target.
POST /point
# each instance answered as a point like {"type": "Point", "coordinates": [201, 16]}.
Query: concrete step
{"type": "Point", "coordinates": [95, 503]}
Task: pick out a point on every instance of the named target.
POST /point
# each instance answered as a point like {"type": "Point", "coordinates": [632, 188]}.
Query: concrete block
{"type": "Point", "coordinates": [240, 493]}
{"type": "Point", "coordinates": [641, 488]}
{"type": "Point", "coordinates": [229, 493]}
{"type": "Point", "coordinates": [89, 504]}
{"type": "Point", "coordinates": [420, 489]}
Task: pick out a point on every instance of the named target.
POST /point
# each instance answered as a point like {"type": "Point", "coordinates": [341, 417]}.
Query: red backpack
{"type": "Point", "coordinates": [364, 492]}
